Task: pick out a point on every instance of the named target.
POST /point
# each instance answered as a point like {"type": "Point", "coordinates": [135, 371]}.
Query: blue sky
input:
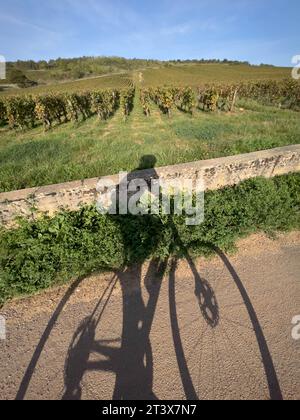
{"type": "Point", "coordinates": [254, 30]}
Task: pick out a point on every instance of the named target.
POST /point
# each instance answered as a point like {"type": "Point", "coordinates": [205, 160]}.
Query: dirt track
{"type": "Point", "coordinates": [216, 329]}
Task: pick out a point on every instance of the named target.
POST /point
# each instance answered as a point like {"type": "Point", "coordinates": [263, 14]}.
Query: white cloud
{"type": "Point", "coordinates": [12, 20]}
{"type": "Point", "coordinates": [176, 30]}
{"type": "Point", "coordinates": [208, 25]}
{"type": "Point", "coordinates": [104, 12]}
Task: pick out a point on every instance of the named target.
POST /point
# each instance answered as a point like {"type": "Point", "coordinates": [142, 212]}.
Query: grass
{"type": "Point", "coordinates": [95, 148]}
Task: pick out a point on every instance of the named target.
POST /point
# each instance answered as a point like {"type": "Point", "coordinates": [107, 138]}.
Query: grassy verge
{"type": "Point", "coordinates": [50, 251]}
{"type": "Point", "coordinates": [94, 148]}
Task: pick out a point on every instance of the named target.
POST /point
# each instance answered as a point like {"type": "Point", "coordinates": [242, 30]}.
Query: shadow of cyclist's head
{"type": "Point", "coordinates": [147, 162]}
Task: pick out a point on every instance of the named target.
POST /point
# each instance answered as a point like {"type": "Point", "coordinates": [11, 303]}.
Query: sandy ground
{"type": "Point", "coordinates": [209, 329]}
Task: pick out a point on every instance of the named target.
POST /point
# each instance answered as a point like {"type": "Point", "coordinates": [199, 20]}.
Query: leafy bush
{"type": "Point", "coordinates": [49, 251]}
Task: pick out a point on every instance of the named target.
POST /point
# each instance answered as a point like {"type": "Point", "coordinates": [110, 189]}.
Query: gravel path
{"type": "Point", "coordinates": [209, 329]}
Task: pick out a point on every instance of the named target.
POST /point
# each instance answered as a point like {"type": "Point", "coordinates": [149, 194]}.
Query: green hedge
{"type": "Point", "coordinates": [50, 251]}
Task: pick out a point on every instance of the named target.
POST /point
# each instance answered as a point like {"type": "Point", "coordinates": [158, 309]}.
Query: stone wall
{"type": "Point", "coordinates": [216, 173]}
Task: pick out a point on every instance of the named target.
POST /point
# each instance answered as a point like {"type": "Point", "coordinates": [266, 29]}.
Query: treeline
{"type": "Point", "coordinates": [209, 61]}
{"type": "Point", "coordinates": [88, 64]}
{"type": "Point", "coordinates": [85, 62]}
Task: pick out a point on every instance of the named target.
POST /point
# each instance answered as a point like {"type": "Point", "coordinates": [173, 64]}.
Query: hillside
{"type": "Point", "coordinates": [153, 74]}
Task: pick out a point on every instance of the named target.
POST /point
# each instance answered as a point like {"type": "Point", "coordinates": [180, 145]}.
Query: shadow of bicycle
{"type": "Point", "coordinates": [131, 361]}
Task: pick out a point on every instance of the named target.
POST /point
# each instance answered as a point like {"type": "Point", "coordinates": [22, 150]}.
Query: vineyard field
{"type": "Point", "coordinates": [197, 74]}
{"type": "Point", "coordinates": [101, 126]}
{"type": "Point", "coordinates": [177, 75]}
{"type": "Point", "coordinates": [91, 148]}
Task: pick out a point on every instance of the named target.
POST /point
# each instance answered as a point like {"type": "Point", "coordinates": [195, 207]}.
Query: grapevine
{"type": "Point", "coordinates": [127, 101]}
{"type": "Point", "coordinates": [50, 108]}
{"type": "Point", "coordinates": [145, 98]}
{"type": "Point", "coordinates": [105, 103]}
{"type": "Point", "coordinates": [3, 114]}
{"type": "Point", "coordinates": [20, 111]}
{"type": "Point", "coordinates": [164, 98]}
{"type": "Point", "coordinates": [186, 100]}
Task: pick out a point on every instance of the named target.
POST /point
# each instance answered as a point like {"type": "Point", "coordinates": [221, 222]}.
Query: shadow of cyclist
{"type": "Point", "coordinates": [132, 363]}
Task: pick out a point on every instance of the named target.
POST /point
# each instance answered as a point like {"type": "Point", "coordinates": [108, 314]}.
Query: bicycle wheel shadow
{"type": "Point", "coordinates": [132, 363]}
{"type": "Point", "coordinates": [212, 315]}
{"type": "Point", "coordinates": [274, 388]}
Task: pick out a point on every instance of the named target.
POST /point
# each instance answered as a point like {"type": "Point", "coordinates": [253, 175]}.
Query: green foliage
{"type": "Point", "coordinates": [210, 98]}
{"type": "Point", "coordinates": [75, 68]}
{"type": "Point", "coordinates": [49, 251]}
{"type": "Point", "coordinates": [71, 152]}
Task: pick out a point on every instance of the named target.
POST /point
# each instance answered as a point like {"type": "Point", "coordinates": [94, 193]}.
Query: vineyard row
{"type": "Point", "coordinates": [284, 94]}
{"type": "Point", "coordinates": [24, 111]}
